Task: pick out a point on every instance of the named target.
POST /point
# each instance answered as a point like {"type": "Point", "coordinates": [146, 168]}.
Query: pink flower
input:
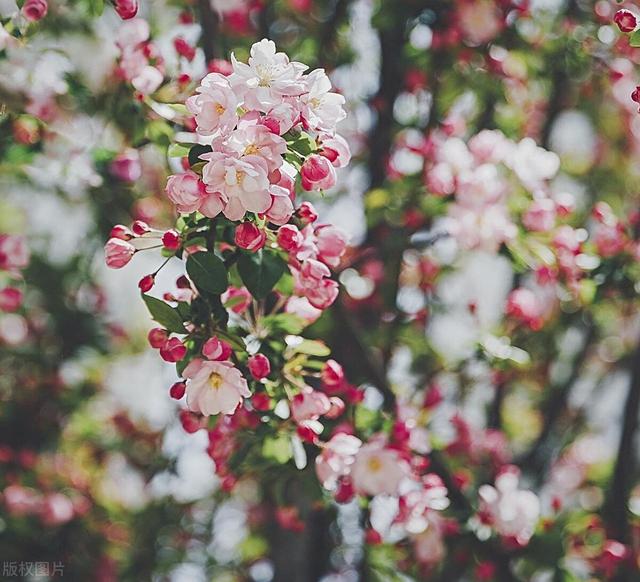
{"type": "Point", "coordinates": [14, 253]}
{"type": "Point", "coordinates": [307, 213]}
{"type": "Point", "coordinates": [214, 387]}
{"type": "Point", "coordinates": [126, 9]}
{"type": "Point", "coordinates": [35, 10]}
{"type": "Point", "coordinates": [626, 20]}
{"type": "Point", "coordinates": [321, 293]}
{"type": "Point", "coordinates": [512, 512]}
{"type": "Point", "coordinates": [126, 166]}
{"type": "Point", "coordinates": [259, 366]}
{"type": "Point", "coordinates": [237, 299]}
{"type": "Point", "coordinates": [10, 299]}
{"type": "Point", "coordinates": [249, 237]}
{"type": "Point", "coordinates": [481, 228]}
{"type": "Point", "coordinates": [241, 182]}
{"type": "Point", "coordinates": [378, 469]}
{"type": "Point", "coordinates": [317, 173]}
{"type": "Point", "coordinates": [429, 544]}
{"type": "Point", "coordinates": [252, 139]}
{"type": "Point", "coordinates": [216, 349]}
{"type": "Point", "coordinates": [523, 304]}
{"type": "Point", "coordinates": [186, 191]}
{"type": "Point", "coordinates": [309, 404]}
{"type": "Point", "coordinates": [331, 242]}
{"type": "Point", "coordinates": [215, 105]}
{"type": "Point", "coordinates": [281, 208]}
{"type": "Point", "coordinates": [540, 216]}
{"type": "Point", "coordinates": [321, 109]}
{"type": "Point", "coordinates": [268, 77]}
{"type": "Point", "coordinates": [157, 337]}
{"type": "Point", "coordinates": [118, 253]}
{"type": "Point", "coordinates": [336, 459]}
{"type": "Point", "coordinates": [147, 80]}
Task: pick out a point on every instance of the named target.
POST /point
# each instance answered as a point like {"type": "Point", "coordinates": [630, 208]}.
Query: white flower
{"type": "Point", "coordinates": [321, 109]}
{"type": "Point", "coordinates": [214, 387]}
{"type": "Point", "coordinates": [267, 78]}
{"type": "Point", "coordinates": [378, 469]}
{"type": "Point", "coordinates": [215, 105]}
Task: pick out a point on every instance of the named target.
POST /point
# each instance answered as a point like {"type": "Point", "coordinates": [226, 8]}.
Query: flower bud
{"type": "Point", "coordinates": [35, 10]}
{"type": "Point", "coordinates": [626, 20]}
{"type": "Point", "coordinates": [289, 238]}
{"type": "Point", "coordinates": [126, 166]}
{"type": "Point", "coordinates": [157, 337]}
{"type": "Point", "coordinates": [190, 422]}
{"type": "Point", "coordinates": [171, 240]}
{"type": "Point", "coordinates": [140, 227]}
{"type": "Point", "coordinates": [177, 390]}
{"type": "Point", "coordinates": [10, 299]}
{"type": "Point", "coordinates": [261, 402]}
{"type": "Point", "coordinates": [306, 433]}
{"type": "Point", "coordinates": [118, 253]}
{"type": "Point", "coordinates": [337, 407]}
{"type": "Point", "coordinates": [184, 49]}
{"type": "Point", "coordinates": [146, 283]}
{"type": "Point", "coordinates": [635, 96]}
{"type": "Point", "coordinates": [259, 366]}
{"type": "Point", "coordinates": [186, 191]}
{"type": "Point", "coordinates": [216, 349]}
{"type": "Point", "coordinates": [332, 374]}
{"type": "Point", "coordinates": [307, 213]}
{"type": "Point", "coordinates": [173, 350]}
{"type": "Point", "coordinates": [250, 237]}
{"type": "Point", "coordinates": [345, 492]}
{"type": "Point", "coordinates": [317, 173]}
{"type": "Point", "coordinates": [126, 9]}
{"type": "Point", "coordinates": [121, 231]}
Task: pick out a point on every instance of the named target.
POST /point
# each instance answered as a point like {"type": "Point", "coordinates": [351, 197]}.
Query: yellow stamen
{"type": "Point", "coordinates": [375, 464]}
{"type": "Point", "coordinates": [215, 381]}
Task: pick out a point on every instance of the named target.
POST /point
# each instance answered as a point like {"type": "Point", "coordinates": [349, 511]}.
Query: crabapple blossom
{"type": "Point", "coordinates": [511, 511]}
{"type": "Point", "coordinates": [336, 459]}
{"type": "Point", "coordinates": [14, 253]}
{"type": "Point", "coordinates": [317, 173]}
{"type": "Point", "coordinates": [321, 109]}
{"type": "Point", "coordinates": [214, 387]}
{"type": "Point", "coordinates": [309, 404]}
{"type": "Point", "coordinates": [378, 469]}
{"type": "Point", "coordinates": [126, 9]}
{"type": "Point", "coordinates": [626, 20]}
{"type": "Point", "coordinates": [249, 237]}
{"type": "Point", "coordinates": [216, 349]}
{"type": "Point", "coordinates": [215, 106]}
{"type": "Point", "coordinates": [267, 78]}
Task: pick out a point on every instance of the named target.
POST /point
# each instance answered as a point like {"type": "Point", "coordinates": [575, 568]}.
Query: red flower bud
{"type": "Point", "coordinates": [126, 9]}
{"type": "Point", "coordinates": [190, 422]}
{"type": "Point", "coordinates": [332, 374]}
{"type": "Point", "coordinates": [261, 401]}
{"type": "Point", "coordinates": [306, 434]}
{"type": "Point", "coordinates": [250, 237]}
{"type": "Point", "coordinates": [337, 407]}
{"type": "Point", "coordinates": [259, 366]}
{"type": "Point", "coordinates": [139, 227]}
{"type": "Point", "coordinates": [171, 240]}
{"type": "Point", "coordinates": [177, 390]}
{"type": "Point", "coordinates": [372, 537]}
{"type": "Point", "coordinates": [173, 350]}
{"type": "Point", "coordinates": [216, 349]}
{"type": "Point", "coordinates": [626, 20]}
{"type": "Point", "coordinates": [157, 337]}
{"type": "Point", "coordinates": [344, 493]}
{"type": "Point", "coordinates": [183, 48]}
{"type": "Point", "coordinates": [121, 231]}
{"type": "Point", "coordinates": [307, 213]}
{"type": "Point", "coordinates": [146, 283]}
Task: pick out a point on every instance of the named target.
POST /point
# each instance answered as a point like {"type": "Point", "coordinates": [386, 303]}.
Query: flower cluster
{"type": "Point", "coordinates": [139, 62]}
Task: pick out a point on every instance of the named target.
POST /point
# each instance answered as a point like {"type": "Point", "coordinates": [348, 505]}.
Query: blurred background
{"type": "Point", "coordinates": [97, 475]}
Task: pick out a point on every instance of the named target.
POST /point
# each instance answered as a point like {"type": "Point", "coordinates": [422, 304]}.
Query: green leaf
{"type": "Point", "coordinates": [164, 314]}
{"type": "Point", "coordinates": [313, 348]}
{"type": "Point", "coordinates": [196, 151]}
{"type": "Point", "coordinates": [286, 322]}
{"type": "Point", "coordinates": [260, 272]}
{"type": "Point", "coordinates": [95, 7]}
{"type": "Point", "coordinates": [208, 272]}
{"type": "Point", "coordinates": [178, 150]}
{"type": "Point", "coordinates": [634, 38]}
